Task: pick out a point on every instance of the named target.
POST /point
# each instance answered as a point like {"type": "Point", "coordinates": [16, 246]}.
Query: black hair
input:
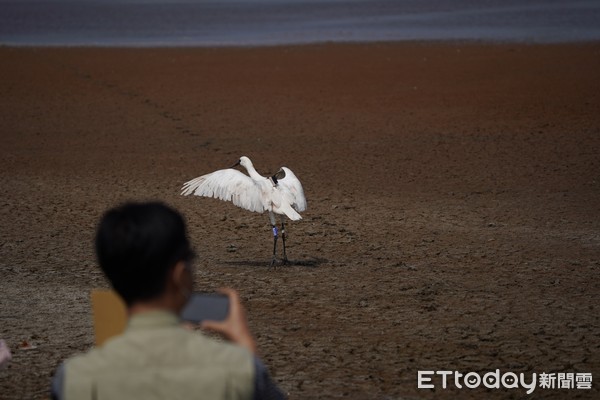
{"type": "Point", "coordinates": [137, 244]}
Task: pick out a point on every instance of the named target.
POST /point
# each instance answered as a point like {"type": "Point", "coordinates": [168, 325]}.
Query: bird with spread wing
{"type": "Point", "coordinates": [280, 194]}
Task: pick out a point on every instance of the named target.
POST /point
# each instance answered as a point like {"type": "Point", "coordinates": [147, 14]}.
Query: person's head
{"type": "Point", "coordinates": [144, 252]}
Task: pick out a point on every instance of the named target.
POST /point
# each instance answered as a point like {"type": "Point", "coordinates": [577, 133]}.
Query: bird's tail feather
{"type": "Point", "coordinates": [290, 212]}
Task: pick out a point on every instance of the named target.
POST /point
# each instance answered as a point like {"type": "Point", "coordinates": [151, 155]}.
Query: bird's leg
{"type": "Point", "coordinates": [275, 236]}
{"type": "Point", "coordinates": [285, 259]}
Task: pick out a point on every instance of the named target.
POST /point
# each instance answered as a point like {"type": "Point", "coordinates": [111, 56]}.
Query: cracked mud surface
{"type": "Point", "coordinates": [453, 194]}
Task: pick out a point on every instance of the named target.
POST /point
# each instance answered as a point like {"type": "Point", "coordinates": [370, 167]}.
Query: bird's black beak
{"type": "Point", "coordinates": [236, 164]}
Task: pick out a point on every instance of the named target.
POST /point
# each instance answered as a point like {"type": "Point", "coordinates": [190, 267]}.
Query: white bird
{"type": "Point", "coordinates": [280, 194]}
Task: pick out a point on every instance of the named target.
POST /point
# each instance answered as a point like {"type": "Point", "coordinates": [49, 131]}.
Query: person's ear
{"type": "Point", "coordinates": [179, 273]}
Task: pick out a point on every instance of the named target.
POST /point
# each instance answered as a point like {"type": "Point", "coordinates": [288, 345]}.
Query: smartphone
{"type": "Point", "coordinates": [205, 306]}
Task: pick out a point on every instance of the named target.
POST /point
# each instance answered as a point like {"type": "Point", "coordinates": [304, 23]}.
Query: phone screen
{"type": "Point", "coordinates": [206, 306]}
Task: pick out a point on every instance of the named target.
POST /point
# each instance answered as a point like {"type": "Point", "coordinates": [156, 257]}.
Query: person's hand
{"type": "Point", "coordinates": [235, 327]}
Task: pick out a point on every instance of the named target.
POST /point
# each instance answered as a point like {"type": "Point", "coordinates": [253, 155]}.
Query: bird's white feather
{"type": "Point", "coordinates": [254, 193]}
{"type": "Point", "coordinates": [282, 203]}
{"type": "Point", "coordinates": [229, 185]}
{"type": "Point", "coordinates": [291, 184]}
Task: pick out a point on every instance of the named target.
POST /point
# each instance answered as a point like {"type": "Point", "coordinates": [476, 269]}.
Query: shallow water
{"type": "Point", "coordinates": [183, 23]}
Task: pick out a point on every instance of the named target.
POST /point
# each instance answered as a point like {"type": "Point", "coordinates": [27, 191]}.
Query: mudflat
{"type": "Point", "coordinates": [453, 191]}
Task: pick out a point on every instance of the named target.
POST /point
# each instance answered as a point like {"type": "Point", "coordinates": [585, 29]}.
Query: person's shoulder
{"type": "Point", "coordinates": [179, 345]}
{"type": "Point", "coordinates": [219, 349]}
{"type": "Point", "coordinates": [87, 360]}
{"type": "Point", "coordinates": [176, 346]}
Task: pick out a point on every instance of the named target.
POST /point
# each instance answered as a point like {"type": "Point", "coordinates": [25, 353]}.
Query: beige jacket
{"type": "Point", "coordinates": [155, 358]}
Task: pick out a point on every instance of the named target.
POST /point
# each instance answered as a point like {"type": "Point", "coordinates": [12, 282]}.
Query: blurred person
{"type": "Point", "coordinates": [5, 355]}
{"type": "Point", "coordinates": [144, 252]}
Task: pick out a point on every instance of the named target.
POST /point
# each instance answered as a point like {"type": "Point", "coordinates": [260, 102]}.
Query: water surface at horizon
{"type": "Point", "coordinates": [270, 22]}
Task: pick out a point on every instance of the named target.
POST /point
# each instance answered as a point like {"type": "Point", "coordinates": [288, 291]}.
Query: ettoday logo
{"type": "Point", "coordinates": [472, 380]}
{"type": "Point", "coordinates": [507, 380]}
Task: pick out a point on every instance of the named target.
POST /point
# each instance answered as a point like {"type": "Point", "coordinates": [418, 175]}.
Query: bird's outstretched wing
{"type": "Point", "coordinates": [229, 185]}
{"type": "Point", "coordinates": [293, 188]}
